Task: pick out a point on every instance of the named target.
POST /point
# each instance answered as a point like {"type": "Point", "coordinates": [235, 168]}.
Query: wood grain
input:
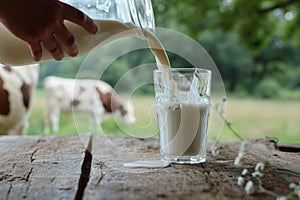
{"type": "Point", "coordinates": [41, 167]}
{"type": "Point", "coordinates": [215, 179]}
{"type": "Point", "coordinates": [73, 167]}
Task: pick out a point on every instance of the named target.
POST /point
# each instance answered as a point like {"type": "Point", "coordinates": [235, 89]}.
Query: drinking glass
{"type": "Point", "coordinates": [182, 105]}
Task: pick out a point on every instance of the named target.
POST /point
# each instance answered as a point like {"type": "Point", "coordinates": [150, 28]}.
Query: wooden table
{"type": "Point", "coordinates": [62, 167]}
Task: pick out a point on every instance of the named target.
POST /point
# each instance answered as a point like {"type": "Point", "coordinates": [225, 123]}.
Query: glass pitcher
{"type": "Point", "coordinates": [112, 16]}
{"type": "Point", "coordinates": [137, 12]}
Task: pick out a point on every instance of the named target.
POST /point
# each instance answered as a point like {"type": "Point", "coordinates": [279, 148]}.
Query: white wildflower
{"type": "Point", "coordinates": [244, 146]}
{"type": "Point", "coordinates": [215, 151]}
{"type": "Point", "coordinates": [238, 159]}
{"type": "Point", "coordinates": [297, 188]}
{"type": "Point", "coordinates": [257, 174]}
{"type": "Point", "coordinates": [241, 181]}
{"type": "Point", "coordinates": [260, 166]}
{"type": "Point", "coordinates": [297, 191]}
{"type": "Point", "coordinates": [249, 188]}
{"type": "Point", "coordinates": [281, 198]}
{"type": "Point", "coordinates": [244, 172]}
{"type": "Point", "coordinates": [292, 185]}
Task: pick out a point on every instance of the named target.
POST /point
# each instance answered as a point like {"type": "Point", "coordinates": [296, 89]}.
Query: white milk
{"type": "Point", "coordinates": [15, 52]}
{"type": "Point", "coordinates": [182, 130]}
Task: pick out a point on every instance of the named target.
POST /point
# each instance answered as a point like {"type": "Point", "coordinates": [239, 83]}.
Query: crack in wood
{"type": "Point", "coordinates": [15, 178]}
{"type": "Point", "coordinates": [288, 147]}
{"type": "Point", "coordinates": [65, 188]}
{"type": "Point", "coordinates": [85, 171]}
{"type": "Point", "coordinates": [100, 177]}
{"type": "Point", "coordinates": [101, 174]}
{"type": "Point", "coordinates": [32, 155]}
{"type": "Point", "coordinates": [26, 191]}
{"type": "Point", "coordinates": [5, 177]}
{"type": "Point", "coordinates": [8, 192]}
{"type": "Point", "coordinates": [97, 173]}
{"type": "Point", "coordinates": [28, 175]}
{"type": "Point", "coordinates": [52, 180]}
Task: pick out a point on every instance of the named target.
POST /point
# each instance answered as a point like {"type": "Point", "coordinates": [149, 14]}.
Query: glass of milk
{"type": "Point", "coordinates": [182, 104]}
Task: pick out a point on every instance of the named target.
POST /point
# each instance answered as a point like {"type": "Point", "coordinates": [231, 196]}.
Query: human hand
{"type": "Point", "coordinates": [41, 22]}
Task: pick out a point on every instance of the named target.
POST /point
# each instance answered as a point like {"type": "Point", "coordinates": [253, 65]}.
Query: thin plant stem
{"type": "Point", "coordinates": [289, 170]}
{"type": "Point", "coordinates": [228, 124]}
{"type": "Point", "coordinates": [264, 190]}
{"type": "Point", "coordinates": [275, 173]}
{"type": "Point", "coordinates": [269, 168]}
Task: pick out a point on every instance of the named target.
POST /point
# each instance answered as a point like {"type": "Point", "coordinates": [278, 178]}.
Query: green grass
{"type": "Point", "coordinates": [145, 125]}
{"type": "Point", "coordinates": [260, 118]}
{"type": "Point", "coordinates": [251, 118]}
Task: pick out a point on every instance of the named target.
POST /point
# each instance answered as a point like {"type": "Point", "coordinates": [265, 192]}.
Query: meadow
{"type": "Point", "coordinates": [251, 118]}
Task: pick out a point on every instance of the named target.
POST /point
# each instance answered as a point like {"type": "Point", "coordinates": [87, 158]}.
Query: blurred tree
{"type": "Point", "coordinates": [255, 21]}
{"type": "Point", "coordinates": [65, 68]}
{"type": "Point", "coordinates": [233, 58]}
{"type": "Point", "coordinates": [249, 41]}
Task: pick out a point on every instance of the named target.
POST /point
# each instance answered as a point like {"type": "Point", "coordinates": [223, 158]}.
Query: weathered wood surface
{"type": "Point", "coordinates": [60, 168]}
{"type": "Point", "coordinates": [41, 167]}
{"type": "Point", "coordinates": [215, 179]}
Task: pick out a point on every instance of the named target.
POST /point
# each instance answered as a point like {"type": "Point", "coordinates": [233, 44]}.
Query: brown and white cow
{"type": "Point", "coordinates": [83, 95]}
{"type": "Point", "coordinates": [17, 85]}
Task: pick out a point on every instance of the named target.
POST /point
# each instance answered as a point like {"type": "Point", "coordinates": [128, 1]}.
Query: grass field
{"type": "Point", "coordinates": [251, 118]}
{"type": "Point", "coordinates": [261, 118]}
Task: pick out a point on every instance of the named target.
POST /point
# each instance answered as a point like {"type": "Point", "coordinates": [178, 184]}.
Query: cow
{"type": "Point", "coordinates": [95, 97]}
{"type": "Point", "coordinates": [17, 86]}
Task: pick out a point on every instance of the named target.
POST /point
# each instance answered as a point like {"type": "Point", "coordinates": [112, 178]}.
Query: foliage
{"type": "Point", "coordinates": [231, 56]}
{"type": "Point", "coordinates": [65, 68]}
{"type": "Point", "coordinates": [249, 41]}
{"type": "Point", "coordinates": [267, 88]}
{"type": "Point", "coordinates": [256, 21]}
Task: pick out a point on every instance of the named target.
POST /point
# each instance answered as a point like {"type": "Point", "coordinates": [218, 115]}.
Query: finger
{"type": "Point", "coordinates": [76, 16]}
{"type": "Point", "coordinates": [36, 50]}
{"type": "Point", "coordinates": [53, 47]}
{"type": "Point", "coordinates": [67, 40]}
